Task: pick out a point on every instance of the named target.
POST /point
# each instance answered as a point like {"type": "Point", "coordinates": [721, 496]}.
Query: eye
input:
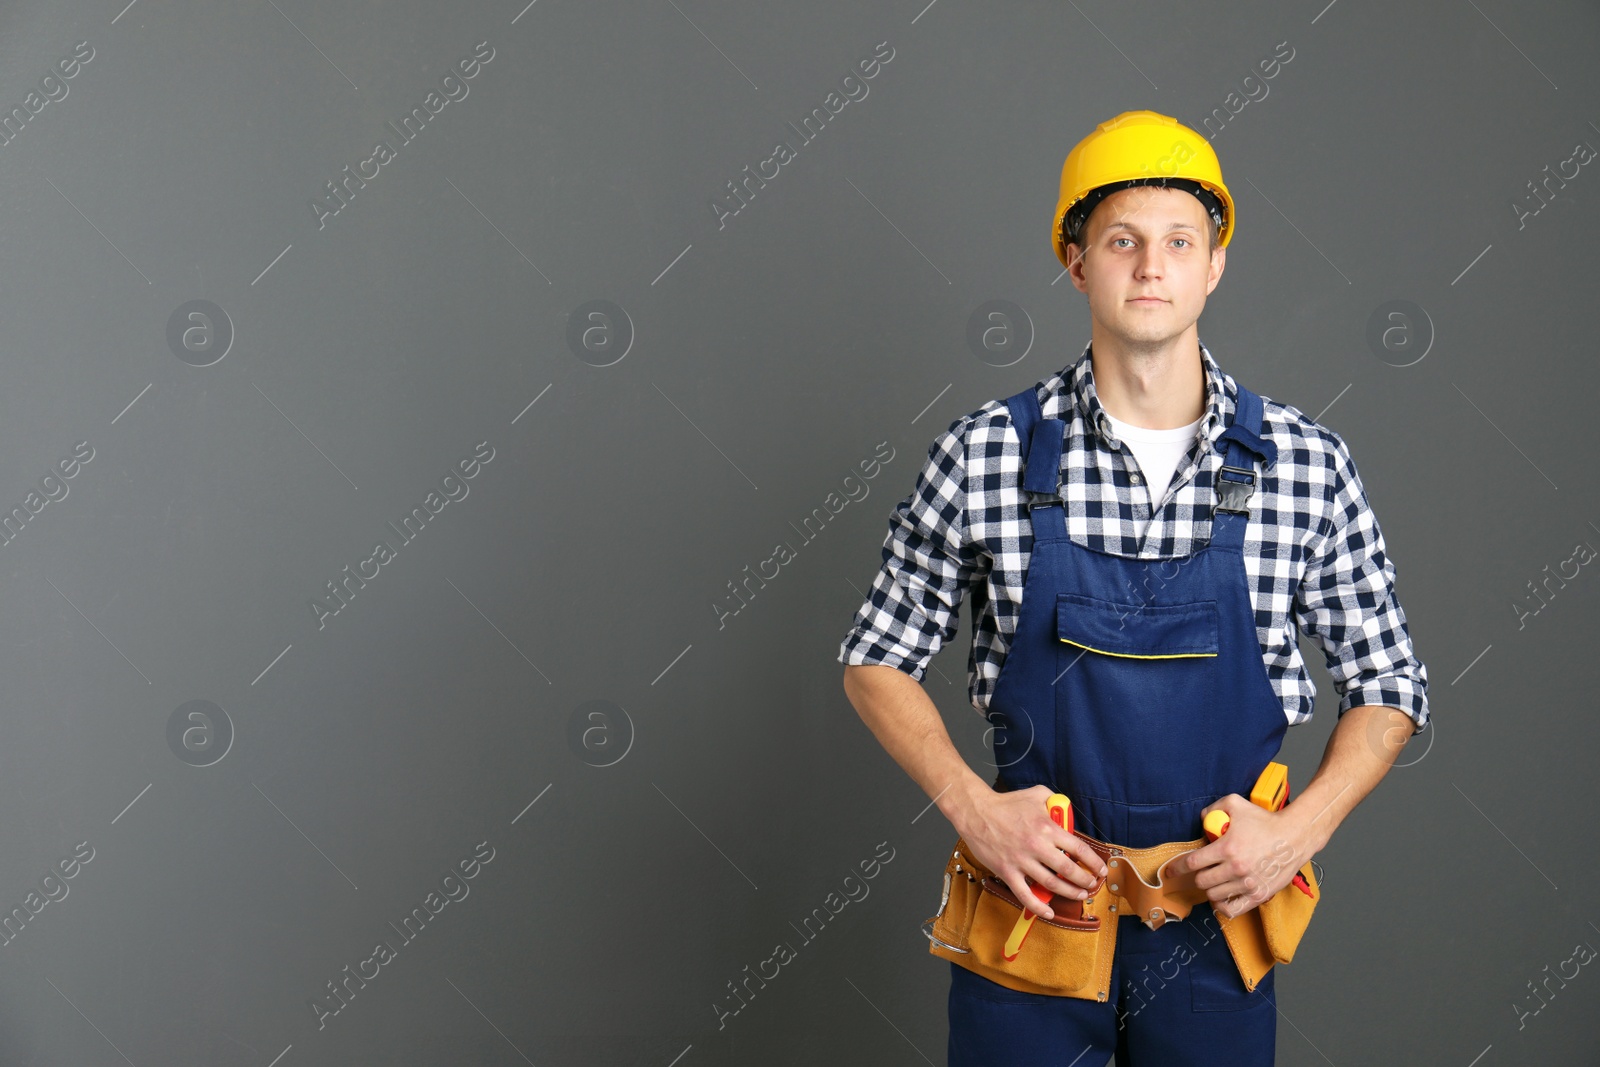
{"type": "Point", "coordinates": [1185, 240]}
{"type": "Point", "coordinates": [1116, 239]}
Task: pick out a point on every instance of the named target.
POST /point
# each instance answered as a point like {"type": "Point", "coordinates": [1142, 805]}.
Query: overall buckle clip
{"type": "Point", "coordinates": [1233, 494]}
{"type": "Point", "coordinates": [1037, 499]}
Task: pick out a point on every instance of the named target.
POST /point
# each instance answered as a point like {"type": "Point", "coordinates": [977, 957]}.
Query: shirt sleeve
{"type": "Point", "coordinates": [914, 605]}
{"type": "Point", "coordinates": [1347, 602]}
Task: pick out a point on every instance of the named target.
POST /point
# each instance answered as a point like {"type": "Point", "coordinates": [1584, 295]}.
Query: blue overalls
{"type": "Point", "coordinates": [1137, 688]}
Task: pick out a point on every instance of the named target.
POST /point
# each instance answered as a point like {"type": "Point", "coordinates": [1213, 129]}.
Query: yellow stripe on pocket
{"type": "Point", "coordinates": [1138, 631]}
{"type": "Point", "coordinates": [1131, 655]}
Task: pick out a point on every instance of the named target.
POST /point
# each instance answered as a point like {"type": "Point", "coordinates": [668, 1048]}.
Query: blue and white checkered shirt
{"type": "Point", "coordinates": [1312, 549]}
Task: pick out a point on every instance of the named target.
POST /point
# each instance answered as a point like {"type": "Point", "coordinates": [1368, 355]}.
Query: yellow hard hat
{"type": "Point", "coordinates": [1140, 147]}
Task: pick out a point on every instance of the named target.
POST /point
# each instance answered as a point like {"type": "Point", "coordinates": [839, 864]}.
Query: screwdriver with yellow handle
{"type": "Point", "coordinates": [1272, 793]}
{"type": "Point", "coordinates": [1060, 809]}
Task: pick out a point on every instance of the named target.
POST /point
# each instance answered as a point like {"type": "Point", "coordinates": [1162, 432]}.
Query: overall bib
{"type": "Point", "coordinates": [1137, 688]}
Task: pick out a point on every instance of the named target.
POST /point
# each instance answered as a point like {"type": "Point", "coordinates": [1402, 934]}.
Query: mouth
{"type": "Point", "coordinates": [1147, 300]}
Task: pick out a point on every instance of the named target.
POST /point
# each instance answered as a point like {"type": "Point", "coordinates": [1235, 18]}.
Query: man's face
{"type": "Point", "coordinates": [1144, 265]}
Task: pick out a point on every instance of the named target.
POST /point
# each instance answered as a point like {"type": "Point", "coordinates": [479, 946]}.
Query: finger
{"type": "Point", "coordinates": [1069, 867]}
{"type": "Point", "coordinates": [1024, 894]}
{"type": "Point", "coordinates": [1237, 904]}
{"type": "Point", "coordinates": [1234, 896]}
{"type": "Point", "coordinates": [1086, 857]}
{"type": "Point", "coordinates": [1082, 855]}
{"type": "Point", "coordinates": [1052, 880]}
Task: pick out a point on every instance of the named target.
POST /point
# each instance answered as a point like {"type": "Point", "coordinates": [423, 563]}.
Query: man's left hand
{"type": "Point", "coordinates": [1257, 856]}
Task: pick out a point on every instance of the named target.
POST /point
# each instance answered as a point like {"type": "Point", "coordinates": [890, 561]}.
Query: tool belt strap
{"type": "Point", "coordinates": [1141, 883]}
{"type": "Point", "coordinates": [1138, 882]}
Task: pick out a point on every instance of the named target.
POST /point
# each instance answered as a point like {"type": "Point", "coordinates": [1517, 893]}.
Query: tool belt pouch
{"type": "Point", "coordinates": [977, 912]}
{"type": "Point", "coordinates": [1285, 915]}
{"type": "Point", "coordinates": [1270, 932]}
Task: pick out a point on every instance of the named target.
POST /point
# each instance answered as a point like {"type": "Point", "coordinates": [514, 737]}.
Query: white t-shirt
{"type": "Point", "coordinates": [1158, 452]}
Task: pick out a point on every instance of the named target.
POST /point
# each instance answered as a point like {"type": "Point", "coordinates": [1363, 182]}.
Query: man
{"type": "Point", "coordinates": [1140, 587]}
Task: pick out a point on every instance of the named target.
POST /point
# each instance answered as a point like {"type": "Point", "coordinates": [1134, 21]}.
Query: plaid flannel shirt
{"type": "Point", "coordinates": [1312, 552]}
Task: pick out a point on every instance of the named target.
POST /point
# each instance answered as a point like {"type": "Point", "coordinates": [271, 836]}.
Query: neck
{"type": "Point", "coordinates": [1156, 388]}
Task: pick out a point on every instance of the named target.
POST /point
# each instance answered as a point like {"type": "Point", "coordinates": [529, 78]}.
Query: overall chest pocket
{"type": "Point", "coordinates": [1137, 631]}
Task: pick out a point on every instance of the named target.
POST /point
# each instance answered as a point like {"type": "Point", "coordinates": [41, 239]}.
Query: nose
{"type": "Point", "coordinates": [1148, 263]}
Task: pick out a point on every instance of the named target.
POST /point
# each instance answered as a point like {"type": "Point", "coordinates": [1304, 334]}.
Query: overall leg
{"type": "Point", "coordinates": [1183, 1003]}
{"type": "Point", "coordinates": [992, 1026]}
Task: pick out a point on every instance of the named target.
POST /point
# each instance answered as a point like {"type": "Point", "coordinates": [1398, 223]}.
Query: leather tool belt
{"type": "Point", "coordinates": [1070, 955]}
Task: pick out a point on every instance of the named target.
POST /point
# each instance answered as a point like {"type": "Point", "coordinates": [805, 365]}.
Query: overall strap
{"type": "Point", "coordinates": [1042, 440]}
{"type": "Point", "coordinates": [1236, 481]}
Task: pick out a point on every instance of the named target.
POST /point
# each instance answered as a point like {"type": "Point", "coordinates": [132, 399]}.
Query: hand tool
{"type": "Point", "coordinates": [1272, 793]}
{"type": "Point", "coordinates": [1060, 809]}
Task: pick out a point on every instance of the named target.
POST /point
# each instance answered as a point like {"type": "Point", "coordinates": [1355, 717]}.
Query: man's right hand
{"type": "Point", "coordinates": [1012, 835]}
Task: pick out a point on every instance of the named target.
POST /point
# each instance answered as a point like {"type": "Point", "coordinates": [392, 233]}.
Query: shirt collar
{"type": "Point", "coordinates": [1078, 392]}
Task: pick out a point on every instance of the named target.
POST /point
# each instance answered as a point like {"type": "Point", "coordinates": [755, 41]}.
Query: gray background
{"type": "Point", "coordinates": [449, 703]}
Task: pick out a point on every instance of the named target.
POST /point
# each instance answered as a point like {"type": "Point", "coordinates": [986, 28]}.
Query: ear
{"type": "Point", "coordinates": [1075, 271]}
{"type": "Point", "coordinates": [1219, 263]}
